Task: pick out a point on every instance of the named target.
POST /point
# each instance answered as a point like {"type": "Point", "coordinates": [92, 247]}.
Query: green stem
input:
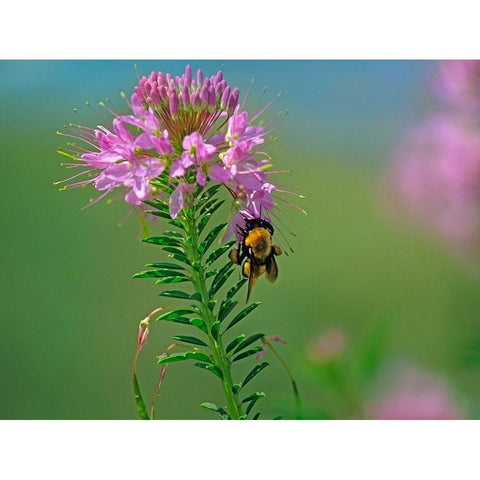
{"type": "Point", "coordinates": [200, 285]}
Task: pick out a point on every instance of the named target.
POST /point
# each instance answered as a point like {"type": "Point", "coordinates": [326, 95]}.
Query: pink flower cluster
{"type": "Point", "coordinates": [415, 395]}
{"type": "Point", "coordinates": [437, 170]}
{"type": "Point", "coordinates": [191, 130]}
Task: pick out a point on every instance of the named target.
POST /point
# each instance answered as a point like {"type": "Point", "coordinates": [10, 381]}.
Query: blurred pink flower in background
{"type": "Point", "coordinates": [458, 83]}
{"type": "Point", "coordinates": [436, 173]}
{"type": "Point", "coordinates": [415, 395]}
{"type": "Point", "coordinates": [327, 347]}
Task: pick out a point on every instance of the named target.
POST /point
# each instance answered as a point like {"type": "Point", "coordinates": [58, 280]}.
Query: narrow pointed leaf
{"type": "Point", "coordinates": [176, 223]}
{"type": "Point", "coordinates": [215, 329]}
{"type": "Point", "coordinates": [247, 353]}
{"type": "Point", "coordinates": [176, 294]}
{"type": "Point", "coordinates": [248, 342]}
{"type": "Point", "coordinates": [219, 252]}
{"type": "Point", "coordinates": [211, 368]}
{"type": "Point", "coordinates": [161, 272]}
{"type": "Point", "coordinates": [159, 213]}
{"type": "Point", "coordinates": [210, 238]}
{"type": "Point", "coordinates": [251, 405]}
{"type": "Point", "coordinates": [185, 356]}
{"type": "Point", "coordinates": [164, 241]}
{"type": "Point", "coordinates": [181, 258]}
{"type": "Point", "coordinates": [141, 408]}
{"type": "Point", "coordinates": [199, 323]}
{"type": "Point", "coordinates": [211, 406]}
{"type": "Point", "coordinates": [175, 279]}
{"type": "Point", "coordinates": [171, 233]}
{"type": "Point", "coordinates": [253, 396]}
{"type": "Point", "coordinates": [234, 343]}
{"type": "Point", "coordinates": [210, 273]}
{"type": "Point", "coordinates": [225, 308]}
{"type": "Point", "coordinates": [169, 316]}
{"type": "Point", "coordinates": [254, 372]}
{"type": "Point", "coordinates": [231, 293]}
{"type": "Point", "coordinates": [256, 416]}
{"type": "Point", "coordinates": [188, 339]}
{"type": "Point", "coordinates": [165, 265]}
{"type": "Point", "coordinates": [240, 316]}
{"type": "Point", "coordinates": [175, 250]}
{"type": "Point", "coordinates": [218, 282]}
{"type": "Point", "coordinates": [203, 222]}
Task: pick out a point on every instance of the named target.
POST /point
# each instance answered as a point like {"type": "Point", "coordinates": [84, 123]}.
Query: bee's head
{"type": "Point", "coordinates": [250, 224]}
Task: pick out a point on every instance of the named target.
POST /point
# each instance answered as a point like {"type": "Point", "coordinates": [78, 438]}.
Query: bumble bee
{"type": "Point", "coordinates": [258, 250]}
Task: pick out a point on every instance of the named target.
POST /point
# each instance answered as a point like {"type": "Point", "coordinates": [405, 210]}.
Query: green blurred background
{"type": "Point", "coordinates": [70, 309]}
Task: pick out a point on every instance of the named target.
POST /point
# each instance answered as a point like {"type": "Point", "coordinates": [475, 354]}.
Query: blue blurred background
{"type": "Point", "coordinates": [70, 309]}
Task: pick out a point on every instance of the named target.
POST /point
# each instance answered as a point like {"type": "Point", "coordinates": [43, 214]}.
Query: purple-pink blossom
{"type": "Point", "coordinates": [327, 347]}
{"type": "Point", "coordinates": [436, 174]}
{"type": "Point", "coordinates": [191, 129]}
{"type": "Point", "coordinates": [415, 395]}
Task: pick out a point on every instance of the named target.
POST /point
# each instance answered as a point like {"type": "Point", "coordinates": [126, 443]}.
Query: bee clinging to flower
{"type": "Point", "coordinates": [258, 251]}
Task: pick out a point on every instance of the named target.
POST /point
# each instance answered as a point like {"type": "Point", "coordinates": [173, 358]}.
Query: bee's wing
{"type": "Point", "coordinates": [272, 269]}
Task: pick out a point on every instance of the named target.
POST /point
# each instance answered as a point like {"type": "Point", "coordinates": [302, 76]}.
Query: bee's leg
{"type": "Point", "coordinates": [277, 250]}
{"type": "Point", "coordinates": [246, 269]}
{"type": "Point", "coordinates": [233, 256]}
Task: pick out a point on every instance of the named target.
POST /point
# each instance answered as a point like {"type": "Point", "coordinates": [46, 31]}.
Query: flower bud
{"type": "Point", "coordinates": [188, 75]}
{"type": "Point", "coordinates": [199, 77]}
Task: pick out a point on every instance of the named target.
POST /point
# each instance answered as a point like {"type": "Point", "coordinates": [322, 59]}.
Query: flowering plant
{"type": "Point", "coordinates": [436, 174]}
{"type": "Point", "coordinates": [184, 139]}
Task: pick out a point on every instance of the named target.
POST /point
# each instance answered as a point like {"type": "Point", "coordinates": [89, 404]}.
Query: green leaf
{"type": "Point", "coordinates": [181, 258]}
{"type": "Point", "coordinates": [203, 222]}
{"type": "Point", "coordinates": [171, 233]}
{"type": "Point", "coordinates": [180, 357]}
{"type": "Point", "coordinates": [169, 316]}
{"type": "Point", "coordinates": [211, 406]}
{"type": "Point", "coordinates": [247, 353]}
{"type": "Point", "coordinates": [219, 252]}
{"type": "Point", "coordinates": [210, 273]}
{"type": "Point", "coordinates": [248, 341]}
{"type": "Point", "coordinates": [177, 294]}
{"type": "Point", "coordinates": [256, 416]}
{"type": "Point", "coordinates": [159, 213]}
{"type": "Point", "coordinates": [219, 280]}
{"type": "Point", "coordinates": [254, 372]}
{"type": "Point", "coordinates": [211, 206]}
{"type": "Point", "coordinates": [253, 396]}
{"type": "Point", "coordinates": [176, 279]}
{"type": "Point", "coordinates": [182, 320]}
{"type": "Point", "coordinates": [234, 343]}
{"type": "Point", "coordinates": [215, 329]}
{"type": "Point", "coordinates": [211, 368]}
{"type": "Point", "coordinates": [231, 293]}
{"type": "Point", "coordinates": [158, 204]}
{"type": "Point", "coordinates": [175, 250]}
{"type": "Point", "coordinates": [236, 387]}
{"type": "Point", "coordinates": [164, 241]}
{"type": "Point", "coordinates": [163, 272]}
{"type": "Point", "coordinates": [210, 238]}
{"type": "Point", "coordinates": [141, 408]}
{"type": "Point", "coordinates": [165, 265]}
{"type": "Point", "coordinates": [251, 405]}
{"type": "Point", "coordinates": [240, 316]}
{"type": "Point", "coordinates": [199, 323]}
{"type": "Point", "coordinates": [212, 304]}
{"type": "Point", "coordinates": [176, 223]}
{"type": "Point", "coordinates": [188, 339]}
{"type": "Point", "coordinates": [225, 308]}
